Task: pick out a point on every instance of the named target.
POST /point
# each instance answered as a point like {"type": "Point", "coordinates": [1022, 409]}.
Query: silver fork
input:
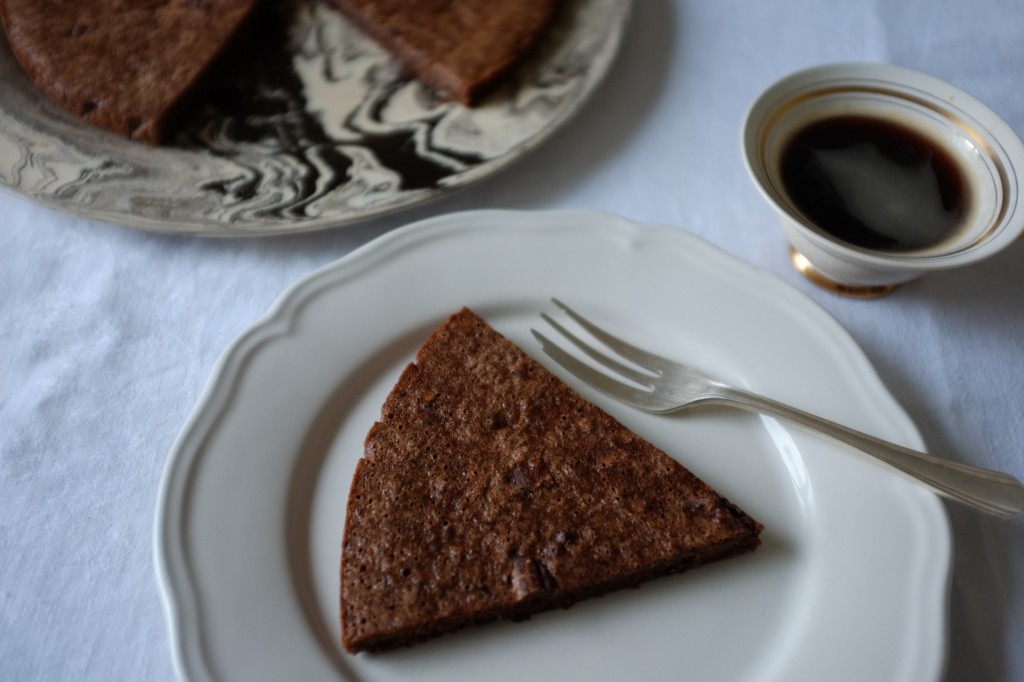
{"type": "Point", "coordinates": [666, 386]}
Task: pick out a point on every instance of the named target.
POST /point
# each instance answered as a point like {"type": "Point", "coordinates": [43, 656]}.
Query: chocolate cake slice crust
{"type": "Point", "coordinates": [461, 48]}
{"type": "Point", "coordinates": [131, 66]}
{"type": "Point", "coordinates": [490, 489]}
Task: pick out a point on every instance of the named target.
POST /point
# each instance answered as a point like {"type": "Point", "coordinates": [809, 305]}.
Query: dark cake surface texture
{"type": "Point", "coordinates": [130, 66]}
{"type": "Point", "coordinates": [462, 48]}
{"type": "Point", "coordinates": [490, 489]}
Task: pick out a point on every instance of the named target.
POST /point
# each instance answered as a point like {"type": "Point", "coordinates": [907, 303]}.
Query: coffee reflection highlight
{"type": "Point", "coordinates": [875, 183]}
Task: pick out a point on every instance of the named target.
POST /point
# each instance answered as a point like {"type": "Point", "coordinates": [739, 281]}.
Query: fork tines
{"type": "Point", "coordinates": [640, 381]}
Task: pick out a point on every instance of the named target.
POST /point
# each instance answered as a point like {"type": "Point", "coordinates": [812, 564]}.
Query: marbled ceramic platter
{"type": "Point", "coordinates": [319, 130]}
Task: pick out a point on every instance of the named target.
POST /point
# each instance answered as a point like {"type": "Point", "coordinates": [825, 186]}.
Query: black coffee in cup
{"type": "Point", "coordinates": [875, 183]}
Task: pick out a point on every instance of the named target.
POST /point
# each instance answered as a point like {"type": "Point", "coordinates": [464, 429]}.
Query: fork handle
{"type": "Point", "coordinates": [997, 493]}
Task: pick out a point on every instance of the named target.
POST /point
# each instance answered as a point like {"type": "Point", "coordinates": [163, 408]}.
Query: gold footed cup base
{"type": "Point", "coordinates": [805, 268]}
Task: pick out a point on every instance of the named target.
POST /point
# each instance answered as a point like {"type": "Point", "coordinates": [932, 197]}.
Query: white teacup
{"type": "Point", "coordinates": [987, 152]}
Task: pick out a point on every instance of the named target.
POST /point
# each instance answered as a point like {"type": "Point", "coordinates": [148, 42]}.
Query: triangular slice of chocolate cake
{"type": "Point", "coordinates": [130, 67]}
{"type": "Point", "coordinates": [490, 489]}
{"type": "Point", "coordinates": [461, 48]}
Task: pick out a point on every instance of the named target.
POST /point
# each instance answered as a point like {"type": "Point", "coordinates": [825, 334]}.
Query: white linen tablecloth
{"type": "Point", "coordinates": [108, 335]}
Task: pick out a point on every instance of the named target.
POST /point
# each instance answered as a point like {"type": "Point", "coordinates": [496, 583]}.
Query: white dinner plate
{"type": "Point", "coordinates": [318, 127]}
{"type": "Point", "coordinates": [851, 582]}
